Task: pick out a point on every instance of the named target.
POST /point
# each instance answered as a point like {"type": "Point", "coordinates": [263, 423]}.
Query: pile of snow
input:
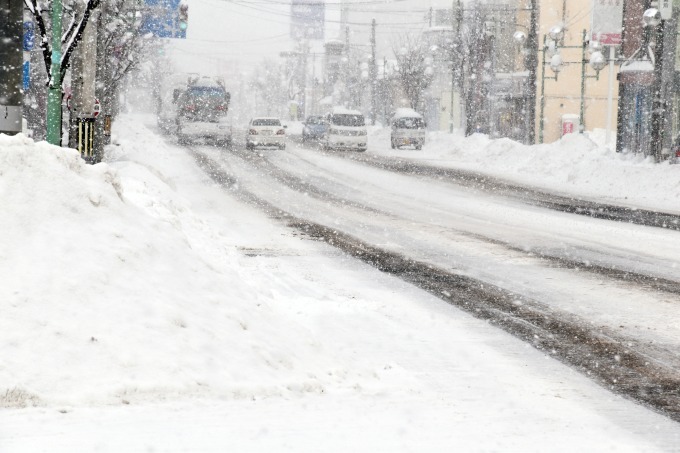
{"type": "Point", "coordinates": [574, 165]}
{"type": "Point", "coordinates": [116, 291]}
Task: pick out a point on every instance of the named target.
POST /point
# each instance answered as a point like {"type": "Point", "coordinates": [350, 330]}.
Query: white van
{"type": "Point", "coordinates": [408, 128]}
{"type": "Point", "coordinates": [346, 129]}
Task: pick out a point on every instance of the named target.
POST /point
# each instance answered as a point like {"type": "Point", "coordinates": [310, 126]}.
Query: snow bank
{"type": "Point", "coordinates": [114, 290]}
{"type": "Point", "coordinates": [574, 165]}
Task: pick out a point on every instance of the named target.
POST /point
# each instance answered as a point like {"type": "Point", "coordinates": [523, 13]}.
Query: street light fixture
{"type": "Point", "coordinates": [651, 17]}
{"type": "Point", "coordinates": [597, 61]}
{"type": "Point", "coordinates": [556, 63]}
{"type": "Point", "coordinates": [556, 33]}
{"type": "Point", "coordinates": [520, 37]}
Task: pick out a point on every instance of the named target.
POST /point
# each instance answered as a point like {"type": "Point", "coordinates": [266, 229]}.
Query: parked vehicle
{"type": "Point", "coordinates": [314, 128]}
{"type": "Point", "coordinates": [266, 131]}
{"type": "Point", "coordinates": [408, 129]}
{"type": "Point", "coordinates": [202, 111]}
{"type": "Point", "coordinates": [346, 129]}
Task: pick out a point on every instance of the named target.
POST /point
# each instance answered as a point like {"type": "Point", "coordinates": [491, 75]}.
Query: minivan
{"type": "Point", "coordinates": [408, 129]}
{"type": "Point", "coordinates": [346, 129]}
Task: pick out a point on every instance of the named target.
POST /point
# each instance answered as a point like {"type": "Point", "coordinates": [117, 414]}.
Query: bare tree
{"type": "Point", "coordinates": [269, 87]}
{"type": "Point", "coordinates": [414, 77]}
{"type": "Point", "coordinates": [121, 48]}
{"type": "Point", "coordinates": [69, 40]}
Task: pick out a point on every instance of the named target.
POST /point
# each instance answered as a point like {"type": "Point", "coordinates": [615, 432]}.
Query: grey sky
{"type": "Point", "coordinates": [226, 34]}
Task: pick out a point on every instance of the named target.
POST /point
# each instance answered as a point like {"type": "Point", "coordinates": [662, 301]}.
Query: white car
{"type": "Point", "coordinates": [346, 130]}
{"type": "Point", "coordinates": [265, 131]}
{"type": "Point", "coordinates": [408, 128]}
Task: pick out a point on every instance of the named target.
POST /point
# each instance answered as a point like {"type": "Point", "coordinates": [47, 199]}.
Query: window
{"type": "Point", "coordinates": [348, 120]}
{"type": "Point", "coordinates": [409, 123]}
{"type": "Point", "coordinates": [207, 92]}
{"type": "Point", "coordinates": [266, 122]}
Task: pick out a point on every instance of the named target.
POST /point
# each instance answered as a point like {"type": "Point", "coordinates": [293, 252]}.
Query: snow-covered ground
{"type": "Point", "coordinates": [146, 309]}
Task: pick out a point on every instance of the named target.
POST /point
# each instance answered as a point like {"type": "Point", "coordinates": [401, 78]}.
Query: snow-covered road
{"type": "Point", "coordinates": [493, 239]}
{"type": "Point", "coordinates": [187, 320]}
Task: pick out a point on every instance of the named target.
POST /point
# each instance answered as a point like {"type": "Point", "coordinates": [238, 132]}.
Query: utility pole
{"type": "Point", "coordinates": [102, 134]}
{"type": "Point", "coordinates": [374, 75]}
{"type": "Point", "coordinates": [456, 49]}
{"type": "Point", "coordinates": [302, 112]}
{"type": "Point", "coordinates": [54, 90]}
{"type": "Point", "coordinates": [11, 61]}
{"type": "Point", "coordinates": [531, 63]}
{"type": "Point", "coordinates": [657, 105]}
{"type": "Point", "coordinates": [83, 76]}
{"type": "Point", "coordinates": [344, 15]}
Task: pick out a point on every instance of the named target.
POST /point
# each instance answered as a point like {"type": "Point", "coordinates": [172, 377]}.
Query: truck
{"type": "Point", "coordinates": [195, 108]}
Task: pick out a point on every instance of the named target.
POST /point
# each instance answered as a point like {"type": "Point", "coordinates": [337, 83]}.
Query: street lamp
{"type": "Point", "coordinates": [596, 61]}
{"type": "Point", "coordinates": [520, 37]}
{"type": "Point", "coordinates": [651, 17]}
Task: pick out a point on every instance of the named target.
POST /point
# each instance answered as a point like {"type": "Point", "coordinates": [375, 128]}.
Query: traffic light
{"type": "Point", "coordinates": [183, 17]}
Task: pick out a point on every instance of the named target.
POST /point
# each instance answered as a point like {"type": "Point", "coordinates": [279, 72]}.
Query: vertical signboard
{"type": "Point", "coordinates": [27, 44]}
{"type": "Point", "coordinates": [607, 22]}
{"type": "Point", "coordinates": [307, 19]}
{"type": "Point", "coordinates": [666, 9]}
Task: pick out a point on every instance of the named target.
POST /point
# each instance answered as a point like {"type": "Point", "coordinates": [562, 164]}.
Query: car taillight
{"type": "Point", "coordinates": [252, 132]}
{"type": "Point", "coordinates": [221, 107]}
{"type": "Point", "coordinates": [677, 152]}
{"type": "Point", "coordinates": [281, 132]}
{"type": "Point", "coordinates": [190, 107]}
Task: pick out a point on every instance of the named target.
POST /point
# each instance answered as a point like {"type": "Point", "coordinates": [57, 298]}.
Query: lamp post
{"type": "Point", "coordinates": [597, 61]}
{"type": "Point", "coordinates": [555, 34]}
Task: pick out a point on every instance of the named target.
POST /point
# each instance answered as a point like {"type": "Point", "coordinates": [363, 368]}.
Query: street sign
{"type": "Point", "coordinates": [96, 109]}
{"type": "Point", "coordinates": [29, 35]}
{"type": "Point", "coordinates": [308, 18]}
{"type": "Point", "coordinates": [666, 8]}
{"type": "Point", "coordinates": [607, 22]}
{"type": "Point", "coordinates": [165, 18]}
{"type": "Point", "coordinates": [26, 75]}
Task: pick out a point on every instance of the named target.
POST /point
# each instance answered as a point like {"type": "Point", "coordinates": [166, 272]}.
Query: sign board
{"type": "Point", "coordinates": [26, 70]}
{"type": "Point", "coordinates": [308, 19]}
{"type": "Point", "coordinates": [29, 36]}
{"type": "Point", "coordinates": [666, 9]}
{"type": "Point", "coordinates": [161, 19]}
{"type": "Point", "coordinates": [607, 22]}
{"type": "Point", "coordinates": [570, 123]}
{"type": "Point", "coordinates": [96, 109]}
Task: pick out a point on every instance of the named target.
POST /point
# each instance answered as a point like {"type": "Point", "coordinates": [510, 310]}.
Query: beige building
{"type": "Point", "coordinates": [562, 101]}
